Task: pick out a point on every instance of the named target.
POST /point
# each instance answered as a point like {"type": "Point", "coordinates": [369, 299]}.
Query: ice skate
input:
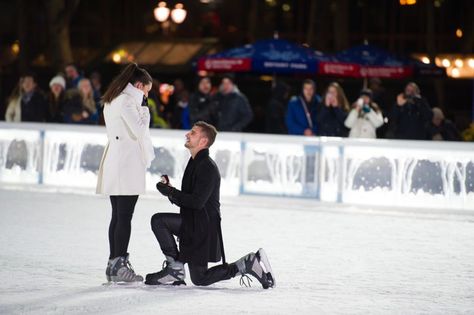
{"type": "Point", "coordinates": [173, 273]}
{"type": "Point", "coordinates": [253, 264]}
{"type": "Point", "coordinates": [108, 269]}
{"type": "Point", "coordinates": [121, 270]}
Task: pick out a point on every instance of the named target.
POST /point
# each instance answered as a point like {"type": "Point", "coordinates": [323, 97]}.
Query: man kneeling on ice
{"type": "Point", "coordinates": [198, 224]}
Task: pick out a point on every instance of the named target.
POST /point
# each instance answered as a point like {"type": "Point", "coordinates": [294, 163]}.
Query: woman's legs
{"type": "Point", "coordinates": [113, 223]}
{"type": "Point", "coordinates": [120, 224]}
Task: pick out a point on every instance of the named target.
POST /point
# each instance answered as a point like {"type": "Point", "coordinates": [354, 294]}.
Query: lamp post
{"type": "Point", "coordinates": [162, 14]}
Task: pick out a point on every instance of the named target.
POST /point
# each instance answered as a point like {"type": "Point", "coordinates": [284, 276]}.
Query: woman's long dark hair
{"type": "Point", "coordinates": [131, 74]}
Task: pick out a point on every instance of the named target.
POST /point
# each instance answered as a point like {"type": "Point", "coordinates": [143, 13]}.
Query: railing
{"type": "Point", "coordinates": [391, 173]}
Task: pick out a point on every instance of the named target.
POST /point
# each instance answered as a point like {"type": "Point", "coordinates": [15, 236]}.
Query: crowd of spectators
{"type": "Point", "coordinates": [76, 99]}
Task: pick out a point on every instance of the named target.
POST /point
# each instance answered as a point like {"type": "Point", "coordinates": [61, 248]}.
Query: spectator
{"type": "Point", "coordinates": [96, 81]}
{"type": "Point", "coordinates": [365, 117]}
{"type": "Point", "coordinates": [156, 106]}
{"type": "Point", "coordinates": [333, 112]}
{"type": "Point", "coordinates": [81, 107]}
{"type": "Point", "coordinates": [200, 103]}
{"type": "Point", "coordinates": [181, 112]}
{"type": "Point", "coordinates": [72, 76]}
{"type": "Point", "coordinates": [380, 97]}
{"type": "Point", "coordinates": [300, 117]}
{"type": "Point", "coordinates": [443, 129]}
{"type": "Point", "coordinates": [276, 109]}
{"type": "Point", "coordinates": [177, 100]}
{"type": "Point", "coordinates": [57, 100]}
{"type": "Point", "coordinates": [13, 112]}
{"type": "Point", "coordinates": [233, 108]}
{"type": "Point", "coordinates": [411, 115]}
{"type": "Point", "coordinates": [33, 103]}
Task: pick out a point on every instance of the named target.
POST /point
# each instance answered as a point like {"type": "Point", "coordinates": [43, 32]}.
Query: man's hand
{"type": "Point", "coordinates": [164, 189]}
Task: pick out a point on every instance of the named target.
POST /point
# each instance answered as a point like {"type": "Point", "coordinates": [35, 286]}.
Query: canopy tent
{"type": "Point", "coordinates": [421, 69]}
{"type": "Point", "coordinates": [365, 61]}
{"type": "Point", "coordinates": [272, 56]}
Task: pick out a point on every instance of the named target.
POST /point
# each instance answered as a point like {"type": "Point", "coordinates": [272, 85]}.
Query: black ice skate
{"type": "Point", "coordinates": [121, 270]}
{"type": "Point", "coordinates": [172, 274]}
{"type": "Point", "coordinates": [258, 266]}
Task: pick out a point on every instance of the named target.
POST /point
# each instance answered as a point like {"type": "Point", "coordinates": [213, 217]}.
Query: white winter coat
{"type": "Point", "coordinates": [129, 151]}
{"type": "Point", "coordinates": [13, 112]}
{"type": "Point", "coordinates": [363, 126]}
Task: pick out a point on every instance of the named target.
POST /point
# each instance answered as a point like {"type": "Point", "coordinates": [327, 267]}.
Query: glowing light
{"type": "Point", "coordinates": [407, 2]}
{"type": "Point", "coordinates": [470, 62]}
{"type": "Point", "coordinates": [178, 14]}
{"type": "Point", "coordinates": [458, 63]}
{"type": "Point", "coordinates": [161, 12]}
{"type": "Point", "coordinates": [15, 48]}
{"type": "Point", "coordinates": [271, 3]}
{"type": "Point", "coordinates": [286, 7]}
{"type": "Point", "coordinates": [425, 60]}
{"type": "Point", "coordinates": [446, 63]}
{"type": "Point", "coordinates": [455, 73]}
{"type": "Point", "coordinates": [459, 33]}
{"type": "Point", "coordinates": [116, 57]}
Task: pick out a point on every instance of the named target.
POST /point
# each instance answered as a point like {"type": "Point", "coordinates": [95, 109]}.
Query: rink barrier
{"type": "Point", "coordinates": [422, 174]}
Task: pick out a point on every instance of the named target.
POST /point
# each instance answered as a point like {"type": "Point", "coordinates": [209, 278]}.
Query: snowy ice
{"type": "Point", "coordinates": [328, 259]}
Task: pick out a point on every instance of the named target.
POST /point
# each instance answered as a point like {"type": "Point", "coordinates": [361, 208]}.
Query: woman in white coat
{"type": "Point", "coordinates": [365, 117]}
{"type": "Point", "coordinates": [126, 157]}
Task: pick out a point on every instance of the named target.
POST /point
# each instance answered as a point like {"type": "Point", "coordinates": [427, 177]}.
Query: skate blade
{"type": "Point", "coordinates": [265, 263]}
{"type": "Point", "coordinates": [175, 283]}
{"type": "Point", "coordinates": [122, 284]}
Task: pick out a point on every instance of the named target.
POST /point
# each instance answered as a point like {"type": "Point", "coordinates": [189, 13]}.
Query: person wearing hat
{"type": "Point", "coordinates": [365, 117]}
{"type": "Point", "coordinates": [56, 99]}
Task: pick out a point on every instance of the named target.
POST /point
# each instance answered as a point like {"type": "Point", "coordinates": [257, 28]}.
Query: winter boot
{"type": "Point", "coordinates": [173, 273]}
{"type": "Point", "coordinates": [121, 270]}
{"type": "Point", "coordinates": [257, 265]}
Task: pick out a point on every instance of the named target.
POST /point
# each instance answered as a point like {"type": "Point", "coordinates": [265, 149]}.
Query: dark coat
{"type": "Point", "coordinates": [35, 109]}
{"type": "Point", "coordinates": [233, 112]}
{"type": "Point", "coordinates": [201, 107]}
{"type": "Point", "coordinates": [331, 121]}
{"type": "Point", "coordinates": [412, 120]}
{"type": "Point", "coordinates": [447, 130]}
{"type": "Point", "coordinates": [199, 240]}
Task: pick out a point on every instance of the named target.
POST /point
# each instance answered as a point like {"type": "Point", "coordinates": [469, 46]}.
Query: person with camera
{"type": "Point", "coordinates": [411, 115]}
{"type": "Point", "coordinates": [365, 117]}
{"type": "Point", "coordinates": [126, 157]}
{"type": "Point", "coordinates": [198, 224]}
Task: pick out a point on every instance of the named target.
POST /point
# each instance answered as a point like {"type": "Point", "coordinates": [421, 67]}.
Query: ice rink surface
{"type": "Point", "coordinates": [328, 259]}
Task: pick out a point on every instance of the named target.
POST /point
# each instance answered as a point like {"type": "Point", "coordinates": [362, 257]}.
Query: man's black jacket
{"type": "Point", "coordinates": [200, 210]}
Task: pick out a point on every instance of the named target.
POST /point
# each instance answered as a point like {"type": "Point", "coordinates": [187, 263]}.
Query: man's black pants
{"type": "Point", "coordinates": [166, 226]}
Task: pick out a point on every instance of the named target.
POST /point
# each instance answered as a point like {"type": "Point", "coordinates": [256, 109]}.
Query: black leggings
{"type": "Point", "coordinates": [120, 224]}
{"type": "Point", "coordinates": [166, 226]}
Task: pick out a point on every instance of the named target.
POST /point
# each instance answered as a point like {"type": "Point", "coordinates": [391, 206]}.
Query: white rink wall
{"type": "Point", "coordinates": [419, 174]}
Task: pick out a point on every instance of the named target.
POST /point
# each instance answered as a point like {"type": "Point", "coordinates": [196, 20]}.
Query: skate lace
{"type": "Point", "coordinates": [245, 281]}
